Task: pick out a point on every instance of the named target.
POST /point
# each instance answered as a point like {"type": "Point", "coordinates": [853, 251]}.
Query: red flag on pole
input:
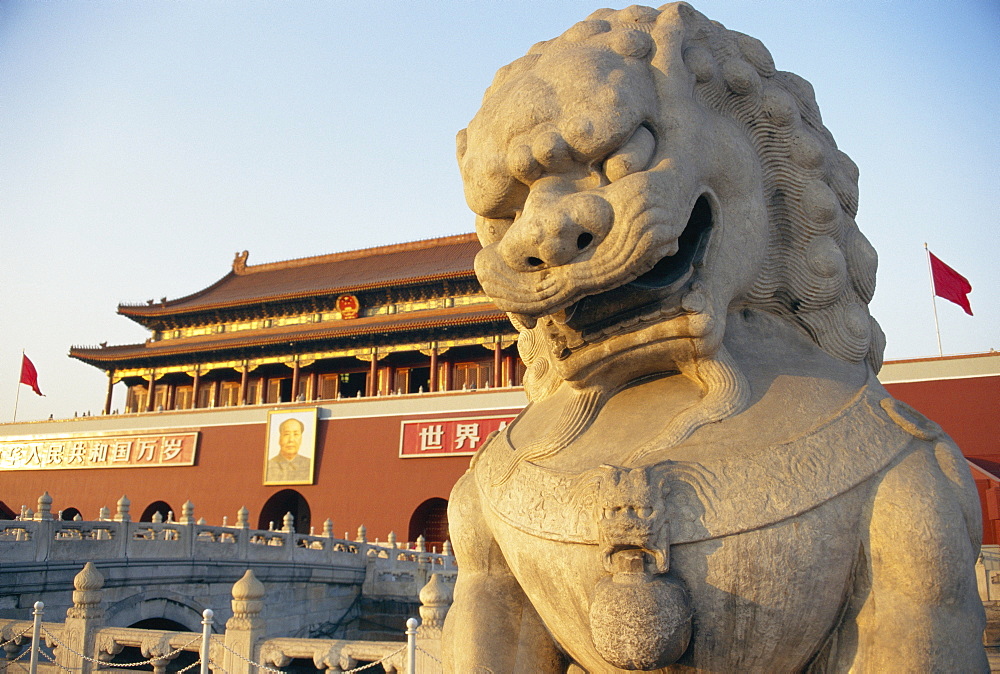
{"type": "Point", "coordinates": [949, 284]}
{"type": "Point", "coordinates": [29, 375]}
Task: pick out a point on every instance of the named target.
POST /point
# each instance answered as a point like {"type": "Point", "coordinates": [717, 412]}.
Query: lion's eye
{"type": "Point", "coordinates": [633, 156]}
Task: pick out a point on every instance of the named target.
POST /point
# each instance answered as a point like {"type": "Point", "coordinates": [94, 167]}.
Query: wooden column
{"type": "Point", "coordinates": [171, 394]}
{"type": "Point", "coordinates": [433, 383]}
{"type": "Point", "coordinates": [194, 389]}
{"type": "Point", "coordinates": [295, 381]}
{"type": "Point", "coordinates": [508, 371]}
{"type": "Point", "coordinates": [107, 398]}
{"type": "Point", "coordinates": [390, 380]}
{"type": "Point", "coordinates": [372, 375]}
{"type": "Point", "coordinates": [314, 384]}
{"type": "Point", "coordinates": [244, 376]}
{"type": "Point", "coordinates": [447, 375]}
{"type": "Point", "coordinates": [497, 381]}
{"type": "Point", "coordinates": [151, 391]}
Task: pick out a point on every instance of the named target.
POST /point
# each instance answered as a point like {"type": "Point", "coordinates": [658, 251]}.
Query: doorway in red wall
{"type": "Point", "coordinates": [430, 520]}
{"type": "Point", "coordinates": [285, 501]}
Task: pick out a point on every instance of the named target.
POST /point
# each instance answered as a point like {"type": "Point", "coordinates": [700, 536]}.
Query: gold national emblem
{"type": "Point", "coordinates": [348, 306]}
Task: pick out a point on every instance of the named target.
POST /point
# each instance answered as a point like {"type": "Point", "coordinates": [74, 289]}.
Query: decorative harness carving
{"type": "Point", "coordinates": [704, 499]}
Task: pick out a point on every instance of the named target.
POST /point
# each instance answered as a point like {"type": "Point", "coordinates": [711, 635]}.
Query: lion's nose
{"type": "Point", "coordinates": [552, 232]}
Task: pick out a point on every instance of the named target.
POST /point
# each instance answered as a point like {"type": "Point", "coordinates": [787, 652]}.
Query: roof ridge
{"type": "Point", "coordinates": [245, 269]}
{"type": "Point", "coordinates": [164, 302]}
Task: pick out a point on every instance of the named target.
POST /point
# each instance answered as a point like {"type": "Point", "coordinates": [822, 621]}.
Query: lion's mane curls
{"type": "Point", "coordinates": [820, 270]}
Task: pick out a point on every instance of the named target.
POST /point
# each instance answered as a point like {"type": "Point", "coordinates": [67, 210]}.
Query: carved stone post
{"type": "Point", "coordinates": [243, 533]}
{"type": "Point", "coordinates": [188, 533]}
{"type": "Point", "coordinates": [246, 627]}
{"type": "Point", "coordinates": [44, 513]}
{"type": "Point", "coordinates": [435, 600]}
{"type": "Point", "coordinates": [83, 620]}
{"type": "Point", "coordinates": [187, 513]}
{"type": "Point", "coordinates": [122, 514]}
{"type": "Point", "coordinates": [44, 527]}
{"type": "Point", "coordinates": [449, 559]}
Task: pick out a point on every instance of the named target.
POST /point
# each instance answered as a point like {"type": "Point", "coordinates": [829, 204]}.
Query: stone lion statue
{"type": "Point", "coordinates": [708, 476]}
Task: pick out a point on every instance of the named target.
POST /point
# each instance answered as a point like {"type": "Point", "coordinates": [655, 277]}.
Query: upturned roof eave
{"type": "Point", "coordinates": [139, 313]}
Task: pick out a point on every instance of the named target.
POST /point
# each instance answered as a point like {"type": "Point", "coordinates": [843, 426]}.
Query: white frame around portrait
{"type": "Point", "coordinates": [307, 417]}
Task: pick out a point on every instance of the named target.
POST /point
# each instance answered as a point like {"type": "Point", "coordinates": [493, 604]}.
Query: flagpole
{"type": "Point", "coordinates": [930, 275]}
{"type": "Point", "coordinates": [17, 395]}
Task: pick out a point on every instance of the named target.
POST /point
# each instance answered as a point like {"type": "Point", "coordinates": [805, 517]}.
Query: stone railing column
{"type": "Point", "coordinates": [246, 628]}
{"type": "Point", "coordinates": [83, 619]}
{"type": "Point", "coordinates": [449, 555]}
{"type": "Point", "coordinates": [188, 532]}
{"type": "Point", "coordinates": [243, 533]}
{"type": "Point", "coordinates": [44, 513]}
{"type": "Point", "coordinates": [122, 518]}
{"type": "Point", "coordinates": [44, 527]}
{"type": "Point", "coordinates": [121, 513]}
{"type": "Point", "coordinates": [435, 600]}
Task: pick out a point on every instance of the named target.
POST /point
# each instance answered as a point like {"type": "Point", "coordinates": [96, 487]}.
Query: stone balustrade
{"type": "Point", "coordinates": [83, 643]}
{"type": "Point", "coordinates": [316, 582]}
{"type": "Point", "coordinates": [37, 536]}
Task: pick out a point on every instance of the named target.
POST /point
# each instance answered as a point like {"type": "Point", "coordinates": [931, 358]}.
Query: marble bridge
{"type": "Point", "coordinates": [164, 574]}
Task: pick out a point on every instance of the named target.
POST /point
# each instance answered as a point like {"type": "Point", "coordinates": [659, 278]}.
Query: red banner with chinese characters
{"type": "Point", "coordinates": [448, 437]}
{"type": "Point", "coordinates": [132, 450]}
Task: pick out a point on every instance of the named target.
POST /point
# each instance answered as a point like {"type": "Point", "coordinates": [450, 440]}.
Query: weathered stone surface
{"type": "Point", "coordinates": [708, 475]}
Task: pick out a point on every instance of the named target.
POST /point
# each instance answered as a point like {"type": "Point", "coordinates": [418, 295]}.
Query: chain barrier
{"type": "Point", "coordinates": [372, 664]}
{"type": "Point", "coordinates": [216, 666]}
{"type": "Point", "coordinates": [8, 664]}
{"type": "Point", "coordinates": [16, 637]}
{"type": "Point", "coordinates": [75, 669]}
{"type": "Point", "coordinates": [193, 664]}
{"type": "Point", "coordinates": [60, 666]}
{"type": "Point", "coordinates": [265, 668]}
{"type": "Point", "coordinates": [429, 655]}
{"type": "Point", "coordinates": [165, 656]}
{"type": "Point", "coordinates": [249, 662]}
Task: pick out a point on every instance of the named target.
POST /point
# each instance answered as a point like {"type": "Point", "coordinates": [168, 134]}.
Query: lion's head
{"type": "Point", "coordinates": [645, 174]}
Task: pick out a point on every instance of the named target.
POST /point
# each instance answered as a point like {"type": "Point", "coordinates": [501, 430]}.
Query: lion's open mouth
{"type": "Point", "coordinates": [651, 297]}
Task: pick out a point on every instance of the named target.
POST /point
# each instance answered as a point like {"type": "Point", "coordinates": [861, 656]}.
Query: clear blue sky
{"type": "Point", "coordinates": [143, 143]}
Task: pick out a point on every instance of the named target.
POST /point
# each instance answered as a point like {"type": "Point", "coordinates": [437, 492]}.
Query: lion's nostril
{"type": "Point", "coordinates": [584, 240]}
{"type": "Point", "coordinates": [534, 262]}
